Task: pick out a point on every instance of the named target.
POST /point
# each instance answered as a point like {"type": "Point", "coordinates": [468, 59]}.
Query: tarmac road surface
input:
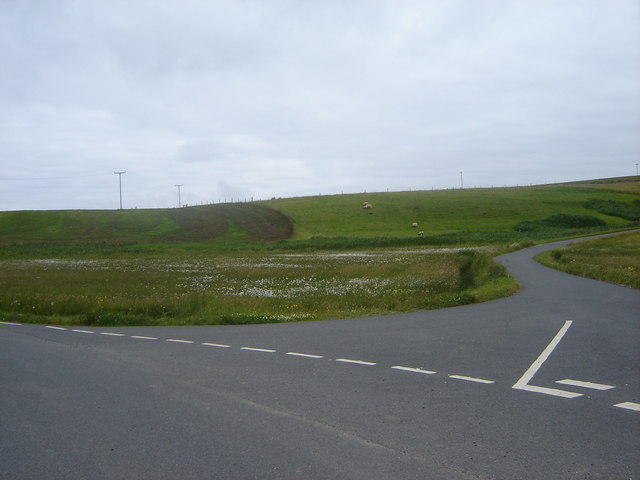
{"type": "Point", "coordinates": [541, 385]}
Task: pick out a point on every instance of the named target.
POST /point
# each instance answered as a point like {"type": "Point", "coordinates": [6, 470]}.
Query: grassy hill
{"type": "Point", "coordinates": [223, 222]}
{"type": "Point", "coordinates": [443, 211]}
{"type": "Point", "coordinates": [471, 216]}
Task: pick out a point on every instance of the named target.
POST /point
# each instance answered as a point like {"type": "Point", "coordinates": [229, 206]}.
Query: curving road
{"type": "Point", "coordinates": [543, 384]}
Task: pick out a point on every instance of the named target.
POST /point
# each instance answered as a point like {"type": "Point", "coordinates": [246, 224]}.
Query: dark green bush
{"type": "Point", "coordinates": [560, 221]}
{"type": "Point", "coordinates": [615, 208]}
{"type": "Point", "coordinates": [563, 220]}
{"type": "Point", "coordinates": [477, 268]}
{"type": "Point", "coordinates": [527, 226]}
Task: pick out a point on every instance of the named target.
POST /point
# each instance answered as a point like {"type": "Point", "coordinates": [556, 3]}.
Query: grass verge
{"type": "Point", "coordinates": [614, 259]}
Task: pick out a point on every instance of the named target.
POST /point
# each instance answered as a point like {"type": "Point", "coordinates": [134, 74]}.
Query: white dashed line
{"type": "Point", "coordinates": [306, 355]}
{"type": "Point", "coordinates": [521, 384]}
{"type": "Point", "coordinates": [471, 379]}
{"type": "Point", "coordinates": [578, 383]}
{"type": "Point", "coordinates": [414, 370]}
{"type": "Point", "coordinates": [629, 406]}
{"type": "Point", "coordinates": [358, 362]}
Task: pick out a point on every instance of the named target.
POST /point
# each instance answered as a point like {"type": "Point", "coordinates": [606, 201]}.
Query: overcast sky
{"type": "Point", "coordinates": [281, 98]}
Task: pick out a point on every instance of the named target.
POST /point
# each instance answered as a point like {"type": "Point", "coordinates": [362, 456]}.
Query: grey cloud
{"type": "Point", "coordinates": [286, 98]}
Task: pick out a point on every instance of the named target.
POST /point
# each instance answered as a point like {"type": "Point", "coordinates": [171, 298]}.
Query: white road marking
{"type": "Point", "coordinates": [471, 379]}
{"type": "Point", "coordinates": [523, 382]}
{"type": "Point", "coordinates": [307, 355]}
{"type": "Point", "coordinates": [550, 391]}
{"type": "Point", "coordinates": [415, 370]}
{"type": "Point", "coordinates": [578, 383]}
{"type": "Point", "coordinates": [358, 362]}
{"type": "Point", "coordinates": [629, 406]}
{"type": "Point", "coordinates": [10, 323]}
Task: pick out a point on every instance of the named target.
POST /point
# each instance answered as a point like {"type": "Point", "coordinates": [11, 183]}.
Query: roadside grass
{"type": "Point", "coordinates": [249, 288]}
{"type": "Point", "coordinates": [613, 259]}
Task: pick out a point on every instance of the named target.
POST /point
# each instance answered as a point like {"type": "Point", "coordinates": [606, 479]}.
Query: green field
{"type": "Point", "coordinates": [289, 259]}
{"type": "Point", "coordinates": [444, 211]}
{"type": "Point", "coordinates": [244, 288]}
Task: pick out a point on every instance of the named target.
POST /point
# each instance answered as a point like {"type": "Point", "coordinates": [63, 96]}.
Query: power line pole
{"type": "Point", "coordinates": [120, 182]}
{"type": "Point", "coordinates": [179, 199]}
{"type": "Point", "coordinates": [461, 186]}
{"type": "Point", "coordinates": [636, 169]}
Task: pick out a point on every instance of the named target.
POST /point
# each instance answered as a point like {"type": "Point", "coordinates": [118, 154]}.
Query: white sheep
{"type": "Point", "coordinates": [414, 225]}
{"type": "Point", "coordinates": [367, 206]}
{"type": "Point", "coordinates": [420, 233]}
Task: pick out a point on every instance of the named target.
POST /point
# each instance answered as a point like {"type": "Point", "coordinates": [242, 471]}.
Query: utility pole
{"type": "Point", "coordinates": [120, 182]}
{"type": "Point", "coordinates": [461, 186]}
{"type": "Point", "coordinates": [636, 169]}
{"type": "Point", "coordinates": [179, 199]}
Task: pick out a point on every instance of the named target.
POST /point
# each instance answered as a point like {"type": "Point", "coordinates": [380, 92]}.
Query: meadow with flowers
{"type": "Point", "coordinates": [246, 288]}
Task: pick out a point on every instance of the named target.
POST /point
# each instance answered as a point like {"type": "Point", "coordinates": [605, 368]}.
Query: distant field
{"type": "Point", "coordinates": [469, 216]}
{"type": "Point", "coordinates": [212, 223]}
{"type": "Point", "coordinates": [293, 259]}
{"type": "Point", "coordinates": [619, 184]}
{"type": "Point", "coordinates": [444, 211]}
{"type": "Point", "coordinates": [613, 259]}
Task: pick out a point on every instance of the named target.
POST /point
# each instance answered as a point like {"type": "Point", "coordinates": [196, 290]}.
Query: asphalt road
{"type": "Point", "coordinates": [476, 394]}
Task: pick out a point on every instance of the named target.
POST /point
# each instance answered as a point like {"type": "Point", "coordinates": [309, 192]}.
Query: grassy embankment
{"type": "Point", "coordinates": [245, 263]}
{"type": "Point", "coordinates": [614, 259]}
{"type": "Point", "coordinates": [33, 234]}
